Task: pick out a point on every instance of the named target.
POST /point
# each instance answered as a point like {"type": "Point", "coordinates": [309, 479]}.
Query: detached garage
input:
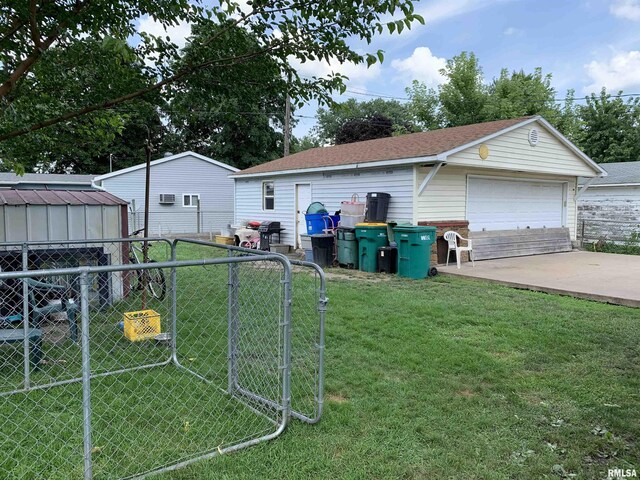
{"type": "Point", "coordinates": [510, 184]}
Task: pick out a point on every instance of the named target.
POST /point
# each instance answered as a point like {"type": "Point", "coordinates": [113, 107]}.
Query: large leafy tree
{"type": "Point", "coordinates": [234, 114]}
{"type": "Point", "coordinates": [344, 119]}
{"type": "Point", "coordinates": [463, 97]}
{"type": "Point", "coordinates": [518, 94]}
{"type": "Point", "coordinates": [609, 128]}
{"type": "Point", "coordinates": [59, 82]}
{"type": "Point", "coordinates": [286, 30]}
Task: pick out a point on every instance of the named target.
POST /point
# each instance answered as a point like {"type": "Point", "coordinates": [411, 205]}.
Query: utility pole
{"type": "Point", "coordinates": [145, 249]}
{"type": "Point", "coordinates": [287, 125]}
{"type": "Point", "coordinates": [110, 162]}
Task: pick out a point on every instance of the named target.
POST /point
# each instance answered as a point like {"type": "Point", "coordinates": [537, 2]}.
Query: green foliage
{"type": "Point", "coordinates": [464, 96]}
{"type": "Point", "coordinates": [234, 114]}
{"type": "Point", "coordinates": [287, 31]}
{"type": "Point", "coordinates": [332, 120]}
{"type": "Point", "coordinates": [307, 142]}
{"type": "Point", "coordinates": [88, 71]}
{"type": "Point", "coordinates": [631, 246]}
{"type": "Point", "coordinates": [424, 106]}
{"type": "Point", "coordinates": [520, 94]}
{"type": "Point", "coordinates": [609, 129]}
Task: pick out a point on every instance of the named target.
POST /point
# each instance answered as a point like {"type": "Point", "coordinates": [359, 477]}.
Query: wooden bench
{"type": "Point", "coordinates": [517, 243]}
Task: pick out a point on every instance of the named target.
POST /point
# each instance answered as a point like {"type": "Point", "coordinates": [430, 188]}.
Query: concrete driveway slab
{"type": "Point", "coordinates": [604, 277]}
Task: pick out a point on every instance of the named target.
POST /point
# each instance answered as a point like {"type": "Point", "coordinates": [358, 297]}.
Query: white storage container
{"type": "Point", "coordinates": [350, 220]}
{"type": "Point", "coordinates": [305, 241]}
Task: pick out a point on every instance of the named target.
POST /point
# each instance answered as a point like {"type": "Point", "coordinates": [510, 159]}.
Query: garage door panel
{"type": "Point", "coordinates": [494, 204]}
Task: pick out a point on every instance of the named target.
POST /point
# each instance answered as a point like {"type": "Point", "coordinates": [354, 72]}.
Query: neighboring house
{"type": "Point", "coordinates": [509, 182]}
{"type": "Point", "coordinates": [46, 181]}
{"type": "Point", "coordinates": [610, 207]}
{"type": "Point", "coordinates": [188, 193]}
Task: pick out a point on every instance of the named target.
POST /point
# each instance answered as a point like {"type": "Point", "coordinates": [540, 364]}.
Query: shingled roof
{"type": "Point", "coordinates": [414, 145]}
{"type": "Point", "coordinates": [618, 173]}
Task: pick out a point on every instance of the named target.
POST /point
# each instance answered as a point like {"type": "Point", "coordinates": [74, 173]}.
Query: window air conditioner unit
{"type": "Point", "coordinates": [167, 198]}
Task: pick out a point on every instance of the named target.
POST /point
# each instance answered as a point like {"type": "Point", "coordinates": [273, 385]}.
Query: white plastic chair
{"type": "Point", "coordinates": [452, 239]}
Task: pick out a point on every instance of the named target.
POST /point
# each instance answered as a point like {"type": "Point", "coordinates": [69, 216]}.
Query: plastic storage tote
{"type": "Point", "coordinates": [347, 247]}
{"type": "Point", "coordinates": [414, 250]}
{"type": "Point", "coordinates": [371, 236]}
{"type": "Point", "coordinates": [350, 221]}
{"type": "Point", "coordinates": [377, 207]}
{"type": "Point", "coordinates": [354, 207]}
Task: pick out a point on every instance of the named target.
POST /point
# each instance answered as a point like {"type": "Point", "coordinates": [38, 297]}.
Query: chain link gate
{"type": "Point", "coordinates": [307, 323]}
{"type": "Point", "coordinates": [80, 395]}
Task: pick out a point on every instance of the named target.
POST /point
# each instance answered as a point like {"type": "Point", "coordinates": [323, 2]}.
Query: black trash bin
{"type": "Point", "coordinates": [388, 260]}
{"type": "Point", "coordinates": [322, 246]}
{"type": "Point", "coordinates": [377, 207]}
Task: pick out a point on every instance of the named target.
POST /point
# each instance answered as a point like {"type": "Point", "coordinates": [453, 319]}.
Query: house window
{"type": "Point", "coordinates": [190, 199]}
{"type": "Point", "coordinates": [268, 196]}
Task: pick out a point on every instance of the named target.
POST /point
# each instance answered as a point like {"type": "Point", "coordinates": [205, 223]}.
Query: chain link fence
{"type": "Point", "coordinates": [619, 232]}
{"type": "Point", "coordinates": [307, 326]}
{"type": "Point", "coordinates": [115, 368]}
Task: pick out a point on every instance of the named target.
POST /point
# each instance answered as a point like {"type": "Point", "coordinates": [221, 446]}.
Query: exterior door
{"type": "Point", "coordinates": [303, 199]}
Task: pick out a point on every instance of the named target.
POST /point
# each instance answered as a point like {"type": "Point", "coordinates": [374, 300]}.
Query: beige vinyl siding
{"type": "Point", "coordinates": [446, 194]}
{"type": "Point", "coordinates": [512, 151]}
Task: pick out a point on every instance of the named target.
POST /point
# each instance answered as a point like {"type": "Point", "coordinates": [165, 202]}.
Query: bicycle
{"type": "Point", "coordinates": [153, 279]}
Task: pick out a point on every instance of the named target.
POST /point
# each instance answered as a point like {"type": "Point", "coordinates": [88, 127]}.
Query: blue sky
{"type": "Point", "coordinates": [585, 44]}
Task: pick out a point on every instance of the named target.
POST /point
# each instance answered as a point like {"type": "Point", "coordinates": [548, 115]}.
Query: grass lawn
{"type": "Point", "coordinates": [446, 378]}
{"type": "Point", "coordinates": [452, 378]}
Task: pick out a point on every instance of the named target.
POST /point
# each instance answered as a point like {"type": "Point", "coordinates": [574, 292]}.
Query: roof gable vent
{"type": "Point", "coordinates": [533, 137]}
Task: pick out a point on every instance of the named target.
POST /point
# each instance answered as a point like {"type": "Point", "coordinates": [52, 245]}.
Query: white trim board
{"type": "Point", "coordinates": [164, 160]}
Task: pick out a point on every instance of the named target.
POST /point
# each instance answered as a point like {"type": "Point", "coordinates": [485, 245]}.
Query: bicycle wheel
{"type": "Point", "coordinates": [135, 277]}
{"type": "Point", "coordinates": [156, 281]}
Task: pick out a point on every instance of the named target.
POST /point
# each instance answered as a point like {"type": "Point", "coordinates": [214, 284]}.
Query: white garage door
{"type": "Point", "coordinates": [494, 204]}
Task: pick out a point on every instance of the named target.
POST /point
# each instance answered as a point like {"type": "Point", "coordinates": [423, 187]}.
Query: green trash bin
{"type": "Point", "coordinates": [414, 250]}
{"type": "Point", "coordinates": [371, 236]}
{"type": "Point", "coordinates": [347, 247]}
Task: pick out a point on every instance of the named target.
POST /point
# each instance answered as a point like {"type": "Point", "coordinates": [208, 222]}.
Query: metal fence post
{"type": "Point", "coordinates": [173, 279]}
{"type": "Point", "coordinates": [286, 328]}
{"type": "Point", "coordinates": [198, 223]}
{"type": "Point", "coordinates": [232, 326]}
{"type": "Point", "coordinates": [86, 374]}
{"type": "Point", "coordinates": [25, 318]}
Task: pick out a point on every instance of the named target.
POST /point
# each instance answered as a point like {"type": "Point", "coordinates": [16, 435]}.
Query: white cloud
{"type": "Point", "coordinates": [626, 9]}
{"type": "Point", "coordinates": [620, 72]}
{"type": "Point", "coordinates": [422, 65]}
{"type": "Point", "coordinates": [358, 74]}
{"type": "Point", "coordinates": [513, 31]}
{"type": "Point", "coordinates": [177, 33]}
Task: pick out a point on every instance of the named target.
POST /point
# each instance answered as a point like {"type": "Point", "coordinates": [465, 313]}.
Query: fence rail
{"type": "Point", "coordinates": [111, 368]}
{"type": "Point", "coordinates": [592, 230]}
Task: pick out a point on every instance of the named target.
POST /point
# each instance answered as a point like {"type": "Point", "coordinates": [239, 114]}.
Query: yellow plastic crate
{"type": "Point", "coordinates": [141, 325]}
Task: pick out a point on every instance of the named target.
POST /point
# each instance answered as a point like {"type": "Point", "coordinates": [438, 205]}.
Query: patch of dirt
{"type": "Point", "coordinates": [336, 398]}
{"type": "Point", "coordinates": [466, 393]}
{"type": "Point", "coordinates": [355, 275]}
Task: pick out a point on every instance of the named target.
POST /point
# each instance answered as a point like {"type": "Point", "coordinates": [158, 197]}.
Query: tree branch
{"type": "Point", "coordinates": [28, 62]}
{"type": "Point", "coordinates": [33, 24]}
{"type": "Point", "coordinates": [131, 96]}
